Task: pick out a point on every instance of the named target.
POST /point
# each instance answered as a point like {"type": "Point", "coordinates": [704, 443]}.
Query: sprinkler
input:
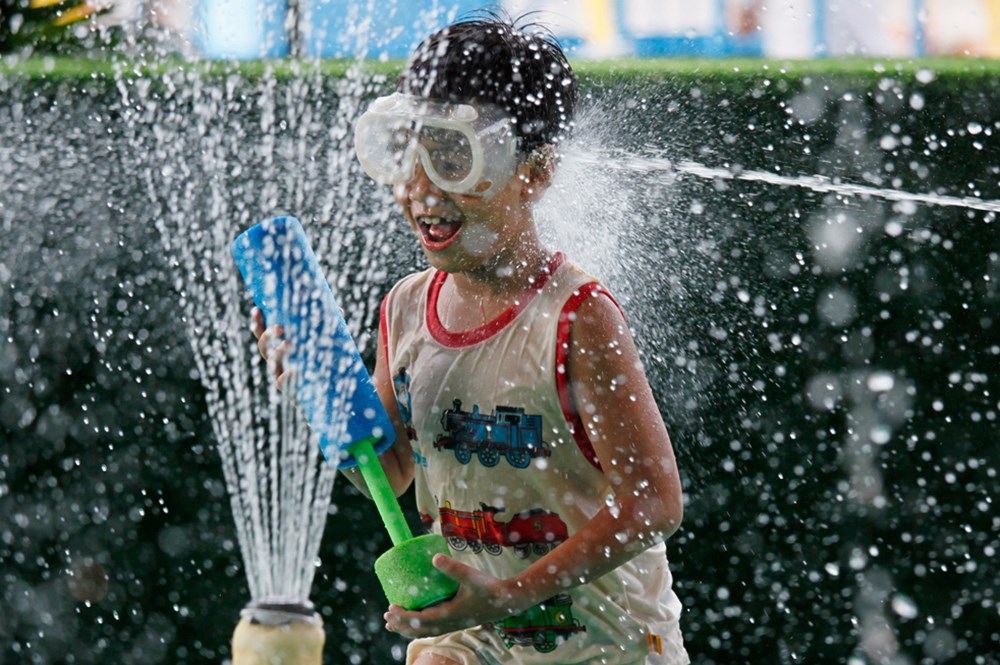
{"type": "Point", "coordinates": [278, 633]}
{"type": "Point", "coordinates": [336, 393]}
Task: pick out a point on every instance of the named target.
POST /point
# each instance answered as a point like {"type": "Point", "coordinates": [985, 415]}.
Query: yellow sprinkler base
{"type": "Point", "coordinates": [278, 634]}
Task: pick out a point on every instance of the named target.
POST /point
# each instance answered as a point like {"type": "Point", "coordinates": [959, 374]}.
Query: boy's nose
{"type": "Point", "coordinates": [420, 187]}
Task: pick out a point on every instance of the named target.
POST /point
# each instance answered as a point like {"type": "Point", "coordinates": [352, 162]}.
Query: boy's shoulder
{"type": "Point", "coordinates": [578, 273]}
{"type": "Point", "coordinates": [411, 286]}
{"type": "Point", "coordinates": [570, 277]}
{"type": "Point", "coordinates": [577, 286]}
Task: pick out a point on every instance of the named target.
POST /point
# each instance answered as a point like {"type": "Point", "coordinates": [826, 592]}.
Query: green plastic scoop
{"type": "Point", "coordinates": [405, 571]}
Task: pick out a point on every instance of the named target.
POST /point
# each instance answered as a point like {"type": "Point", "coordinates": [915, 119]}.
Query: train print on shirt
{"type": "Point", "coordinates": [508, 432]}
{"type": "Point", "coordinates": [531, 531]}
{"type": "Point", "coordinates": [543, 627]}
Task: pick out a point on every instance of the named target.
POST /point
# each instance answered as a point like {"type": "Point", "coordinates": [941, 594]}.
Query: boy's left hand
{"type": "Point", "coordinates": [481, 598]}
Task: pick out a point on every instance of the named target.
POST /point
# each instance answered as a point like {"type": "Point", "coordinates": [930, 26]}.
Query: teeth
{"type": "Point", "coordinates": [434, 220]}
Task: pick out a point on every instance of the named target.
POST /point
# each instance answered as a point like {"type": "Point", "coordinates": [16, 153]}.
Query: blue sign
{"type": "Point", "coordinates": [376, 30]}
{"type": "Point", "coordinates": [241, 29]}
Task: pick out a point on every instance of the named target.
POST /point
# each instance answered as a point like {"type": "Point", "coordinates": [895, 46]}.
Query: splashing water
{"type": "Point", "coordinates": [642, 219]}
{"type": "Point", "coordinates": [205, 159]}
{"type": "Point", "coordinates": [278, 483]}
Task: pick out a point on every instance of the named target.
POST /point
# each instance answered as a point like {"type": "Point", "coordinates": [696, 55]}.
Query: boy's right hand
{"type": "Point", "coordinates": [272, 347]}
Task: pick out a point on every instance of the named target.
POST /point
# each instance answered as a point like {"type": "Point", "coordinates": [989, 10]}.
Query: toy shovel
{"type": "Point", "coordinates": [336, 393]}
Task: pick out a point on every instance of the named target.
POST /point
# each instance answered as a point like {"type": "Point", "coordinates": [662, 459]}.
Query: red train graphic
{"type": "Point", "coordinates": [530, 531]}
{"type": "Point", "coordinates": [509, 432]}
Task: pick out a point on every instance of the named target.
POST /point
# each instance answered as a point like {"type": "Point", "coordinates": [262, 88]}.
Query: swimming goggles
{"type": "Point", "coordinates": [464, 149]}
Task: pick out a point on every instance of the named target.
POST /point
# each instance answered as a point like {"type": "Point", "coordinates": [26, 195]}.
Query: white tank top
{"type": "Point", "coordinates": [504, 469]}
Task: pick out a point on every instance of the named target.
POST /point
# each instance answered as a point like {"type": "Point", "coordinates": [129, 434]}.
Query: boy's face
{"type": "Point", "coordinates": [460, 233]}
{"type": "Point", "coordinates": [461, 186]}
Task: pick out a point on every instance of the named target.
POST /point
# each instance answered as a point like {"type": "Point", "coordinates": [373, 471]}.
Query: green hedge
{"type": "Point", "coordinates": [960, 71]}
{"type": "Point", "coordinates": [825, 504]}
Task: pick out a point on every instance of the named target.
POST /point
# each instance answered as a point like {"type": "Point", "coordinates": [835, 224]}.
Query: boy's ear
{"type": "Point", "coordinates": [537, 171]}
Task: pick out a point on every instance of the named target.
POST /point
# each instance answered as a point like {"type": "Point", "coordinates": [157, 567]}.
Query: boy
{"type": "Point", "coordinates": [522, 411]}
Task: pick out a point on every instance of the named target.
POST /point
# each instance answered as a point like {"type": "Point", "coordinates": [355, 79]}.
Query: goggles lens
{"type": "Point", "coordinates": [446, 152]}
{"type": "Point", "coordinates": [449, 153]}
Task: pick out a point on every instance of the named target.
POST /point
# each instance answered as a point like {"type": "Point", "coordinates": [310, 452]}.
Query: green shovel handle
{"type": "Point", "coordinates": [381, 491]}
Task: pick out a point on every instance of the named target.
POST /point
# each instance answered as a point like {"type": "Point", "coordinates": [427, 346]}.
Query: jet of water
{"type": "Point", "coordinates": [653, 163]}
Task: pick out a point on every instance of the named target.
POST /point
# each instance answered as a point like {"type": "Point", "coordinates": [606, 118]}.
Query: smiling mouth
{"type": "Point", "coordinates": [438, 232]}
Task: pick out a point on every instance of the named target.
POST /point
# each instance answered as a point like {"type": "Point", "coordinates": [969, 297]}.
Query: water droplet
{"type": "Point", "coordinates": [888, 142]}
{"type": "Point", "coordinates": [880, 434]}
{"type": "Point", "coordinates": [880, 382]}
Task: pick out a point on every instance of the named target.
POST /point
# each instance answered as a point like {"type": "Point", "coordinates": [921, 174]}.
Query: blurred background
{"type": "Point", "coordinates": [591, 28]}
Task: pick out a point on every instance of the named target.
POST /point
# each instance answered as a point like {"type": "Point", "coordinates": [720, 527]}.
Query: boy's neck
{"type": "Point", "coordinates": [472, 298]}
{"type": "Point", "coordinates": [504, 275]}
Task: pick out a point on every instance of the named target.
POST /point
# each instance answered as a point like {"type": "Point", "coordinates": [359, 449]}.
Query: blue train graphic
{"type": "Point", "coordinates": [508, 431]}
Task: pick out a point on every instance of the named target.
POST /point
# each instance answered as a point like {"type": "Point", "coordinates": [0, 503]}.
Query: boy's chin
{"type": "Point", "coordinates": [453, 261]}
{"type": "Point", "coordinates": [443, 262]}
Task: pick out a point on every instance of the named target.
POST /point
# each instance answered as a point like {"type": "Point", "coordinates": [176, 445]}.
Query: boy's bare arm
{"type": "Point", "coordinates": [622, 421]}
{"type": "Point", "coordinates": [616, 405]}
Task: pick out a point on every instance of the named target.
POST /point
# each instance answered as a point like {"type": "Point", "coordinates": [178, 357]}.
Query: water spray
{"type": "Point", "coordinates": [345, 414]}
{"type": "Point", "coordinates": [656, 161]}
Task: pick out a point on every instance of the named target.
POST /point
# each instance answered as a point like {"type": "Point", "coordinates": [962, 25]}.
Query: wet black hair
{"type": "Point", "coordinates": [512, 63]}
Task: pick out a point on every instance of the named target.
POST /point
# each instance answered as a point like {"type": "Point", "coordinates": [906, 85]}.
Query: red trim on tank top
{"type": "Point", "coordinates": [383, 326]}
{"type": "Point", "coordinates": [570, 412]}
{"type": "Point", "coordinates": [455, 340]}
